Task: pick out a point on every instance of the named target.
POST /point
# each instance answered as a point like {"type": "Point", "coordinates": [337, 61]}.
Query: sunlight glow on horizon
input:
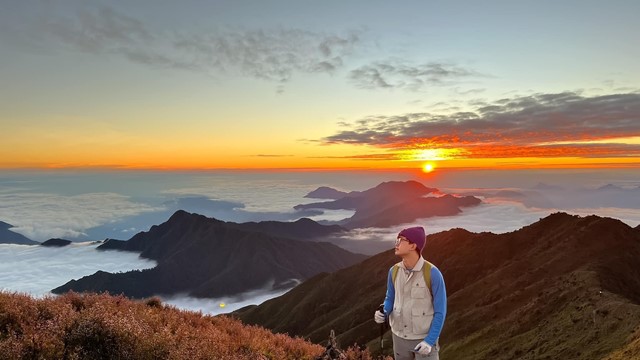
{"type": "Point", "coordinates": [331, 164]}
{"type": "Point", "coordinates": [618, 140]}
{"type": "Point", "coordinates": [216, 86]}
{"type": "Point", "coordinates": [432, 154]}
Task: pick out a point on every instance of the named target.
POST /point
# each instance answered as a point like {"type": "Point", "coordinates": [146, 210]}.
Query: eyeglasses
{"type": "Point", "coordinates": [399, 240]}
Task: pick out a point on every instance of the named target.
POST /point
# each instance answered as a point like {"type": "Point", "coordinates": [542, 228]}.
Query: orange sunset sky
{"type": "Point", "coordinates": [324, 85]}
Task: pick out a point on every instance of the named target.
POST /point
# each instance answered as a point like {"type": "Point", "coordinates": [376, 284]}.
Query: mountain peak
{"type": "Point", "coordinates": [205, 257]}
{"type": "Point", "coordinates": [56, 242]}
{"type": "Point", "coordinates": [561, 267]}
{"type": "Point", "coordinates": [559, 216]}
{"type": "Point", "coordinates": [11, 237]}
{"type": "Point", "coordinates": [555, 219]}
{"type": "Point", "coordinates": [410, 185]}
{"type": "Point", "coordinates": [563, 219]}
{"type": "Point", "coordinates": [610, 187]}
{"type": "Point", "coordinates": [392, 203]}
{"type": "Point", "coordinates": [179, 215]}
{"type": "Point", "coordinates": [325, 192]}
{"type": "Point", "coordinates": [545, 186]}
{"type": "Point", "coordinates": [305, 221]}
{"type": "Point", "coordinates": [182, 216]}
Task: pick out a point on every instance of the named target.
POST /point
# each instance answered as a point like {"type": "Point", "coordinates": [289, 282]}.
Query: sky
{"type": "Point", "coordinates": [319, 85]}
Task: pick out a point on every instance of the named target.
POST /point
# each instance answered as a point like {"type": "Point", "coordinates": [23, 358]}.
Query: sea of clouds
{"type": "Point", "coordinates": [38, 269]}
{"type": "Point", "coordinates": [94, 207]}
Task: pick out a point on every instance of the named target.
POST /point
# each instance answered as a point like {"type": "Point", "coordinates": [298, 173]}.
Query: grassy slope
{"type": "Point", "coordinates": [565, 287]}
{"type": "Point", "coordinates": [104, 327]}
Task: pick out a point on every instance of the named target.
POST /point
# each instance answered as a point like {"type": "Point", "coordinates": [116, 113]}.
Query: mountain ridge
{"type": "Point", "coordinates": [56, 242]}
{"type": "Point", "coordinates": [11, 237]}
{"type": "Point", "coordinates": [393, 203]}
{"type": "Point", "coordinates": [563, 287]}
{"type": "Point", "coordinates": [205, 257]}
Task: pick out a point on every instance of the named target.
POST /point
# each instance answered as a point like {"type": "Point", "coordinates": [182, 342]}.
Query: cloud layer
{"type": "Point", "coordinates": [224, 305]}
{"type": "Point", "coordinates": [273, 54]}
{"type": "Point", "coordinates": [38, 269]}
{"type": "Point", "coordinates": [269, 54]}
{"type": "Point", "coordinates": [540, 125]}
{"type": "Point", "coordinates": [397, 74]}
{"type": "Point", "coordinates": [41, 216]}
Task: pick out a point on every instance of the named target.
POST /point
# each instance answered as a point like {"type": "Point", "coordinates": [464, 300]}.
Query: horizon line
{"type": "Point", "coordinates": [115, 168]}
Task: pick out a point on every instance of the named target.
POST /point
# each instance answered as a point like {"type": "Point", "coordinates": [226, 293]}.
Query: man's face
{"type": "Point", "coordinates": [403, 246]}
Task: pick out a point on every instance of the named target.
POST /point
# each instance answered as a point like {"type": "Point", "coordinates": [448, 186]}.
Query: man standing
{"type": "Point", "coordinates": [416, 300]}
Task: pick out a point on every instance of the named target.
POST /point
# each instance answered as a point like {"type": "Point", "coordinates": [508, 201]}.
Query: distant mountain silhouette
{"type": "Point", "coordinates": [205, 257]}
{"type": "Point", "coordinates": [509, 194]}
{"type": "Point", "coordinates": [303, 229]}
{"type": "Point", "coordinates": [324, 192]}
{"type": "Point", "coordinates": [9, 237]}
{"type": "Point", "coordinates": [393, 203]}
{"type": "Point", "coordinates": [543, 186]}
{"type": "Point", "coordinates": [609, 187]}
{"type": "Point", "coordinates": [218, 209]}
{"type": "Point", "coordinates": [56, 242]}
{"type": "Point", "coordinates": [565, 287]}
{"type": "Point", "coordinates": [554, 197]}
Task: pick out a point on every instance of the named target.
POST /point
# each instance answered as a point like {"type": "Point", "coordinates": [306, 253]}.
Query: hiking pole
{"type": "Point", "coordinates": [381, 309]}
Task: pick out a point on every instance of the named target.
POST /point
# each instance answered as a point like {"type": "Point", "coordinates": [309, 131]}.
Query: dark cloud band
{"type": "Point", "coordinates": [521, 126]}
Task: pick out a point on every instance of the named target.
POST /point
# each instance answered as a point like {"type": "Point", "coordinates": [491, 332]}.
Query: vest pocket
{"type": "Point", "coordinates": [418, 292]}
{"type": "Point", "coordinates": [420, 320]}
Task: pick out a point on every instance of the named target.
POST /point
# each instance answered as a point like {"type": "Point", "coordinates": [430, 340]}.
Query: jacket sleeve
{"type": "Point", "coordinates": [391, 295]}
{"type": "Point", "coordinates": [439, 293]}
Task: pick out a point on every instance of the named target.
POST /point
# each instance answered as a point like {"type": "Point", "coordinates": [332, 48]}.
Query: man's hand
{"type": "Point", "coordinates": [423, 348]}
{"type": "Point", "coordinates": [379, 317]}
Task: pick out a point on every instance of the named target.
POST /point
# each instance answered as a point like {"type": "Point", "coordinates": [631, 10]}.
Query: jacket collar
{"type": "Point", "coordinates": [418, 266]}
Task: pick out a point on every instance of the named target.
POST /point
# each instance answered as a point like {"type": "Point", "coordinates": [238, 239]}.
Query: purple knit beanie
{"type": "Point", "coordinates": [415, 235]}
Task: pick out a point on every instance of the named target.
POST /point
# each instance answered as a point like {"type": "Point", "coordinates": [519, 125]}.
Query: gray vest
{"type": "Point", "coordinates": [412, 312]}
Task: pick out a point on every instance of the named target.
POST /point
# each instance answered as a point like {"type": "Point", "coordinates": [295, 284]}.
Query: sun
{"type": "Point", "coordinates": [428, 167]}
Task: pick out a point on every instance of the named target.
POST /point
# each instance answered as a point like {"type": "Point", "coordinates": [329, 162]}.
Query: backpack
{"type": "Point", "coordinates": [426, 271]}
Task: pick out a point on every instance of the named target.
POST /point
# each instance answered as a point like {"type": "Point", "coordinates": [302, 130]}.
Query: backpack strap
{"type": "Point", "coordinates": [394, 274]}
{"type": "Point", "coordinates": [426, 272]}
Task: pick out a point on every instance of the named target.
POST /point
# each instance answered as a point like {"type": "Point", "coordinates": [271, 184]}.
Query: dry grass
{"type": "Point", "coordinates": [81, 326]}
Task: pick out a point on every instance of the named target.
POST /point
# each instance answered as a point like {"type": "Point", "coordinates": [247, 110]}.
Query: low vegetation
{"type": "Point", "coordinates": [92, 326]}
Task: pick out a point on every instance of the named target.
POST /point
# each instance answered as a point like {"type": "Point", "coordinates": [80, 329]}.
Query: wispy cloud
{"type": "Point", "coordinates": [538, 125]}
{"type": "Point", "coordinates": [272, 155]}
{"type": "Point", "coordinates": [378, 156]}
{"type": "Point", "coordinates": [399, 74]}
{"type": "Point", "coordinates": [459, 91]}
{"type": "Point", "coordinates": [225, 305]}
{"type": "Point", "coordinates": [41, 216]}
{"type": "Point", "coordinates": [269, 54]}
